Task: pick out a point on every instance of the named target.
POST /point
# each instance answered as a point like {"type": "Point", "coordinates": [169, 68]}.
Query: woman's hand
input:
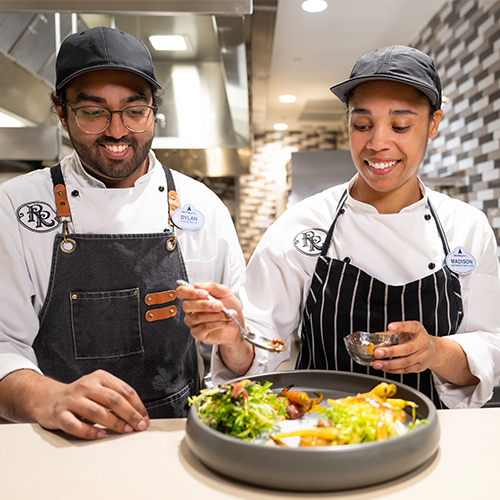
{"type": "Point", "coordinates": [415, 352]}
{"type": "Point", "coordinates": [210, 325]}
{"type": "Point", "coordinates": [419, 351]}
{"type": "Point", "coordinates": [205, 317]}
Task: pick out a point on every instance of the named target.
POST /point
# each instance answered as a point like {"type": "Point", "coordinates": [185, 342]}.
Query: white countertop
{"type": "Point", "coordinates": [157, 464]}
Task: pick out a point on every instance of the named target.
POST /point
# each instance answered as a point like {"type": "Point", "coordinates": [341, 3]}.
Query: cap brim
{"type": "Point", "coordinates": [342, 89]}
{"type": "Point", "coordinates": [107, 66]}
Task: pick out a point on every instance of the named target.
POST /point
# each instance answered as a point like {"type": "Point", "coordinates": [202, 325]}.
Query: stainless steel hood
{"type": "Point", "coordinates": [204, 121]}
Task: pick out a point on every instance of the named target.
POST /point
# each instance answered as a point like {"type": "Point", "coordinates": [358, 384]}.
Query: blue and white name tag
{"type": "Point", "coordinates": [460, 261]}
{"type": "Point", "coordinates": [188, 218]}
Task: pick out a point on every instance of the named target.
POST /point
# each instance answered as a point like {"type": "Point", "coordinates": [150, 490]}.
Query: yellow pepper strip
{"type": "Point", "coordinates": [402, 403]}
{"type": "Point", "coordinates": [384, 390]}
{"type": "Point", "coordinates": [327, 433]}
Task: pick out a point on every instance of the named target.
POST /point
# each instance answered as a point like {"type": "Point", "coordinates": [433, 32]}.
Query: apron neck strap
{"type": "Point", "coordinates": [440, 229]}
{"type": "Point", "coordinates": [338, 211]}
{"type": "Point", "coordinates": [62, 204]}
{"type": "Point", "coordinates": [173, 197]}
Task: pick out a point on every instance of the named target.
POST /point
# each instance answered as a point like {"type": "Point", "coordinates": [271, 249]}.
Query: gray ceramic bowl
{"type": "Point", "coordinates": [318, 469]}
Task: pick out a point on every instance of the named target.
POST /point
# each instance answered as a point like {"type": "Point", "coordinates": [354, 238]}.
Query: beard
{"type": "Point", "coordinates": [95, 161]}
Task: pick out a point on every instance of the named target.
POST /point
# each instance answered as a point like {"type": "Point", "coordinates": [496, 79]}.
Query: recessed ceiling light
{"type": "Point", "coordinates": [314, 5]}
{"type": "Point", "coordinates": [287, 98]}
{"type": "Point", "coordinates": [168, 42]}
{"type": "Point", "coordinates": [280, 126]}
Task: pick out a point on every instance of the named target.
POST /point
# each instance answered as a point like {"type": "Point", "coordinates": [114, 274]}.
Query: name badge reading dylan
{"type": "Point", "coordinates": [460, 261]}
{"type": "Point", "coordinates": [188, 218]}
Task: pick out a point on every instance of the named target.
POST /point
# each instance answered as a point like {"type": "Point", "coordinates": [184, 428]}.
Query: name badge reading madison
{"type": "Point", "coordinates": [188, 218]}
{"type": "Point", "coordinates": [460, 261]}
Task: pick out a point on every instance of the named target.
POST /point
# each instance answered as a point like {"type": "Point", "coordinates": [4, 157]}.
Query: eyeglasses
{"type": "Point", "coordinates": [96, 119]}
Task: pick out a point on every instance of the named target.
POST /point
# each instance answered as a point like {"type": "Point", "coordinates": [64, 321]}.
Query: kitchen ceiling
{"type": "Point", "coordinates": [203, 123]}
{"type": "Point", "coordinates": [311, 52]}
{"type": "Point", "coordinates": [291, 52]}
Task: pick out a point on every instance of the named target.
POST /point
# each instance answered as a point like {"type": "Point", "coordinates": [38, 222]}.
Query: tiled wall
{"type": "Point", "coordinates": [263, 193]}
{"type": "Point", "coordinates": [463, 160]}
{"type": "Point", "coordinates": [464, 41]}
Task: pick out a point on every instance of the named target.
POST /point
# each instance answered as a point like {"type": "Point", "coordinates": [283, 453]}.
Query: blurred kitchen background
{"type": "Point", "coordinates": [222, 120]}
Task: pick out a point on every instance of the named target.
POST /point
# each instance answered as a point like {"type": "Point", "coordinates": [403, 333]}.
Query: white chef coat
{"type": "Point", "coordinates": [395, 249]}
{"type": "Point", "coordinates": [212, 253]}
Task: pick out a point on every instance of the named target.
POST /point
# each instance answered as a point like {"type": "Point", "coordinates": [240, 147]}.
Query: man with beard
{"type": "Point", "coordinates": [91, 331]}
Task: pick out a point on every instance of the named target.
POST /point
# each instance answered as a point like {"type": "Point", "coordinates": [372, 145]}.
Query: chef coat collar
{"type": "Point", "coordinates": [93, 182]}
{"type": "Point", "coordinates": [367, 208]}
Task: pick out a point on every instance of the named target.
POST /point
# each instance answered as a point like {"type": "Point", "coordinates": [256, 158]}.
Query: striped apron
{"type": "Point", "coordinates": [343, 299]}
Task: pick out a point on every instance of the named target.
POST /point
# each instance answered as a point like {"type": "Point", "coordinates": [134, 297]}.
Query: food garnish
{"type": "Point", "coordinates": [277, 345]}
{"type": "Point", "coordinates": [244, 409]}
{"type": "Point", "coordinates": [370, 416]}
{"type": "Point", "coordinates": [249, 411]}
{"type": "Point", "coordinates": [299, 402]}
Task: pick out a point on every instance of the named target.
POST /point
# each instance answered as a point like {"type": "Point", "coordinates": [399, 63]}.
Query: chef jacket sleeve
{"type": "Point", "coordinates": [271, 296]}
{"type": "Point", "coordinates": [479, 332]}
{"type": "Point", "coordinates": [18, 319]}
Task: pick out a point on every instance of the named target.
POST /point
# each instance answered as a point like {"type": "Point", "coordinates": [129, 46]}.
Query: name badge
{"type": "Point", "coordinates": [188, 218]}
{"type": "Point", "coordinates": [460, 261]}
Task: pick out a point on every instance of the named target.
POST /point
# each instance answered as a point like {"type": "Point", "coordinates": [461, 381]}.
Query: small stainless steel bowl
{"type": "Point", "coordinates": [361, 345]}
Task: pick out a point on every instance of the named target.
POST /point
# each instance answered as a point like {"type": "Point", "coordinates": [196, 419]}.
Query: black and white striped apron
{"type": "Point", "coordinates": [343, 299]}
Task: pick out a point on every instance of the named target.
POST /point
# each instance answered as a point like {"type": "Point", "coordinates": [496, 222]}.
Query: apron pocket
{"type": "Point", "coordinates": [106, 324]}
{"type": "Point", "coordinates": [173, 406]}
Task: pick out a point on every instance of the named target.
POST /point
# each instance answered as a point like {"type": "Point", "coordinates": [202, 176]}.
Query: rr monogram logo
{"type": "Point", "coordinates": [37, 216]}
{"type": "Point", "coordinates": [310, 241]}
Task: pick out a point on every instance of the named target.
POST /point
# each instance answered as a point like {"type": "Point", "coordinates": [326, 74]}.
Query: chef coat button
{"type": "Point", "coordinates": [75, 193]}
{"type": "Point", "coordinates": [431, 265]}
{"type": "Point", "coordinates": [342, 211]}
{"type": "Point", "coordinates": [427, 217]}
{"type": "Point", "coordinates": [347, 260]}
{"type": "Point", "coordinates": [161, 189]}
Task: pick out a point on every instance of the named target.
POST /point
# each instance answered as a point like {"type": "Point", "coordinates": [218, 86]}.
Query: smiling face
{"type": "Point", "coordinates": [117, 156]}
{"type": "Point", "coordinates": [389, 127]}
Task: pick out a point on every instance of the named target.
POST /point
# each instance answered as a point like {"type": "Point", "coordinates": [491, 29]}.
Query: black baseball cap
{"type": "Point", "coordinates": [397, 63]}
{"type": "Point", "coordinates": [103, 48]}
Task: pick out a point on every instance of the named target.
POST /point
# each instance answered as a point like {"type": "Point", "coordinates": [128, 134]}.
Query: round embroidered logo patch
{"type": "Point", "coordinates": [37, 216]}
{"type": "Point", "coordinates": [310, 241]}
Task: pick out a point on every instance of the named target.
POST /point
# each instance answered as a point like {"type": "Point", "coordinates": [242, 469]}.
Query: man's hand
{"type": "Point", "coordinates": [98, 398]}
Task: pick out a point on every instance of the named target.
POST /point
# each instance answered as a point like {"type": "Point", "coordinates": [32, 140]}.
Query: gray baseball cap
{"type": "Point", "coordinates": [103, 48]}
{"type": "Point", "coordinates": [397, 63]}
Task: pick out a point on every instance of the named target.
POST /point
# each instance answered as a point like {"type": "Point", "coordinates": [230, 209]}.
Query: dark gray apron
{"type": "Point", "coordinates": [343, 299]}
{"type": "Point", "coordinates": [111, 305]}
